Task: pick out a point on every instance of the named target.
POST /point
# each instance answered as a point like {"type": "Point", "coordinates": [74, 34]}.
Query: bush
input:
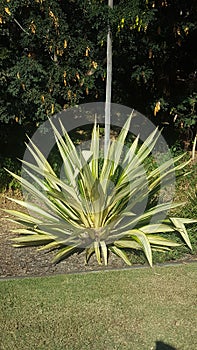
{"type": "Point", "coordinates": [7, 181]}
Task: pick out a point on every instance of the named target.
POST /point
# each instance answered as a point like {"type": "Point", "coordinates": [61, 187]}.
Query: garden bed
{"type": "Point", "coordinates": [28, 261]}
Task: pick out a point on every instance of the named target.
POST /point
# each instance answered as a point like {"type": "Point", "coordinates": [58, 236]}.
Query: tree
{"type": "Point", "coordinates": [53, 65]}
{"type": "Point", "coordinates": [51, 59]}
{"type": "Point", "coordinates": [155, 63]}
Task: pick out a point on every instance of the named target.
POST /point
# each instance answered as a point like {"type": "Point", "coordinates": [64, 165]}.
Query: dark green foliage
{"type": "Point", "coordinates": [6, 180]}
{"type": "Point", "coordinates": [50, 63]}
{"type": "Point", "coordinates": [53, 55]}
{"type": "Point", "coordinates": [186, 119]}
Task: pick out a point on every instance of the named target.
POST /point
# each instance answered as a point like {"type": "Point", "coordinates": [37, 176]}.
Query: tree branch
{"type": "Point", "coordinates": [21, 27]}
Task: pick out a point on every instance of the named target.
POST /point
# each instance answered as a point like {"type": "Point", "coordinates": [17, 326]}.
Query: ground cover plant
{"type": "Point", "coordinates": [114, 310]}
{"type": "Point", "coordinates": [84, 212]}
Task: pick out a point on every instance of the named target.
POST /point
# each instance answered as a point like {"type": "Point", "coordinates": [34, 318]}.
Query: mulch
{"type": "Point", "coordinates": [28, 261]}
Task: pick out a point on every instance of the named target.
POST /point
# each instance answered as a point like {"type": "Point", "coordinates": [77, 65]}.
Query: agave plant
{"type": "Point", "coordinates": [92, 208]}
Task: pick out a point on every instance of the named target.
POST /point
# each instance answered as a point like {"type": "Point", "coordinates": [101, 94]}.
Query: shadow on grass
{"type": "Point", "coordinates": [162, 346]}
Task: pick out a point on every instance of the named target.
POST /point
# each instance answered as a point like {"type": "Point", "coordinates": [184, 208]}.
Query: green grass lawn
{"type": "Point", "coordinates": [129, 309]}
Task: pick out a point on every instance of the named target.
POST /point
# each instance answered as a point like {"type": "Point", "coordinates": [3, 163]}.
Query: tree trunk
{"type": "Point", "coordinates": [108, 86]}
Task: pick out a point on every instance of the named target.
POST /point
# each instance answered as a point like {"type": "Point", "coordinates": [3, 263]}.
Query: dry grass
{"type": "Point", "coordinates": [107, 310]}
